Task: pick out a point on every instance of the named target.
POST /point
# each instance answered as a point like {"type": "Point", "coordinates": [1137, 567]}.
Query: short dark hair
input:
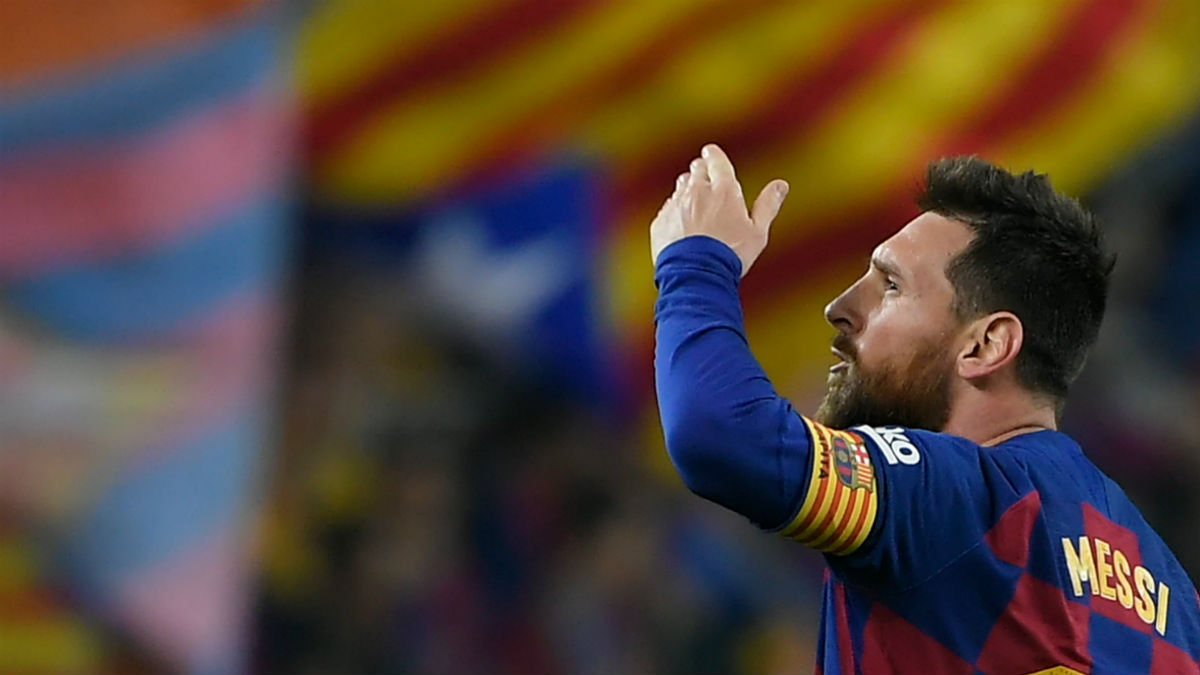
{"type": "Point", "coordinates": [1036, 253]}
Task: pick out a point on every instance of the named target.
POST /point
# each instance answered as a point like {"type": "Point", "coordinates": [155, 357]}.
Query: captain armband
{"type": "Point", "coordinates": [842, 500]}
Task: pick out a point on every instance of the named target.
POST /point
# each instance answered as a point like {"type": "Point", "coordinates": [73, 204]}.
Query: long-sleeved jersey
{"type": "Point", "coordinates": [943, 556]}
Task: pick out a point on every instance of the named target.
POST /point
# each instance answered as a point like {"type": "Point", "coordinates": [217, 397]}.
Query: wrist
{"type": "Point", "coordinates": [703, 252]}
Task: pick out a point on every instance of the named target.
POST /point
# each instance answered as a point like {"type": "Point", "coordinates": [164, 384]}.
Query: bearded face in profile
{"type": "Point", "coordinates": [908, 391]}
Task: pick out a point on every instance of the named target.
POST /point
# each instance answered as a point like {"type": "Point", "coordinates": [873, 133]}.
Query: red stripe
{"type": "Point", "coordinates": [1082, 39]}
{"type": "Point", "coordinates": [830, 246]}
{"type": "Point", "coordinates": [533, 135]}
{"type": "Point", "coordinates": [822, 495]}
{"type": "Point", "coordinates": [65, 205]}
{"type": "Point", "coordinates": [822, 486]}
{"type": "Point", "coordinates": [865, 473]}
{"type": "Point", "coordinates": [844, 524]}
{"type": "Point", "coordinates": [845, 648]}
{"type": "Point", "coordinates": [797, 107]}
{"type": "Point", "coordinates": [1057, 75]}
{"type": "Point", "coordinates": [839, 239]}
{"type": "Point", "coordinates": [821, 534]}
{"type": "Point", "coordinates": [794, 104]}
{"type": "Point", "coordinates": [466, 45]}
{"type": "Point", "coordinates": [858, 526]}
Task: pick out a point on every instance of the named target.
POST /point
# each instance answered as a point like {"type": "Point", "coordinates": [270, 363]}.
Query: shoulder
{"type": "Point", "coordinates": [906, 446]}
{"type": "Point", "coordinates": [939, 496]}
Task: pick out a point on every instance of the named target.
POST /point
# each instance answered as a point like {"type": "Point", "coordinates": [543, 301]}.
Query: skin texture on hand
{"type": "Point", "coordinates": [708, 201]}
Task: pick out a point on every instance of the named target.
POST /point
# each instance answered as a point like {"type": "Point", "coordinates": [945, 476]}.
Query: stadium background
{"type": "Point", "coordinates": [325, 327]}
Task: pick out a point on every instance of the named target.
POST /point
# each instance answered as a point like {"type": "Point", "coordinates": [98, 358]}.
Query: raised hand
{"type": "Point", "coordinates": [708, 201]}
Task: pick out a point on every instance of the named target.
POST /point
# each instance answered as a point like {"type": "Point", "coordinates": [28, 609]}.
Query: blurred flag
{"type": "Point", "coordinates": [144, 156]}
{"type": "Point", "coordinates": [505, 268]}
{"type": "Point", "coordinates": [848, 100]}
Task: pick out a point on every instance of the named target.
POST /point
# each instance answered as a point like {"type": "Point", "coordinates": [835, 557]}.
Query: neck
{"type": "Point", "coordinates": [989, 418]}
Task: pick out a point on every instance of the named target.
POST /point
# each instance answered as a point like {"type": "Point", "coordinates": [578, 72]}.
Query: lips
{"type": "Point", "coordinates": [843, 360]}
{"type": "Point", "coordinates": [843, 349]}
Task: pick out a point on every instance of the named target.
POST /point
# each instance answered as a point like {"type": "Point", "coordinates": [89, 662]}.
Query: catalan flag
{"type": "Point", "coordinates": [411, 102]}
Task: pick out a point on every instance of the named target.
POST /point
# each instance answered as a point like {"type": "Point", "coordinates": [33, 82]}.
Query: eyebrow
{"type": "Point", "coordinates": [886, 267]}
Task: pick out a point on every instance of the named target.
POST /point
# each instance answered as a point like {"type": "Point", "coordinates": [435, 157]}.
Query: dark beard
{"type": "Point", "coordinates": [916, 395]}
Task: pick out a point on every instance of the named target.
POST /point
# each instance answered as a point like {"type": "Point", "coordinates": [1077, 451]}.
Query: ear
{"type": "Point", "coordinates": [992, 342]}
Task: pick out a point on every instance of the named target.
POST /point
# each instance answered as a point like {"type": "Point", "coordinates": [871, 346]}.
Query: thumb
{"type": "Point", "coordinates": [766, 207]}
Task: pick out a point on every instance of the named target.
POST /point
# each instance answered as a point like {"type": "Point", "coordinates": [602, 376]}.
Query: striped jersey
{"type": "Point", "coordinates": [942, 556]}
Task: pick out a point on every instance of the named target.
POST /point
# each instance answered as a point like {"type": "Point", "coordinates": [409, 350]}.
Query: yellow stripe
{"type": "Point", "coordinates": [853, 501]}
{"type": "Point", "coordinates": [811, 496]}
{"type": "Point", "coordinates": [1058, 670]}
{"type": "Point", "coordinates": [746, 59]}
{"type": "Point", "coordinates": [956, 61]}
{"type": "Point", "coordinates": [953, 63]}
{"type": "Point", "coordinates": [870, 500]}
{"type": "Point", "coordinates": [861, 151]}
{"type": "Point", "coordinates": [853, 511]}
{"type": "Point", "coordinates": [819, 538]}
{"type": "Point", "coordinates": [416, 145]}
{"type": "Point", "coordinates": [1150, 83]}
{"type": "Point", "coordinates": [868, 525]}
{"type": "Point", "coordinates": [818, 508]}
{"type": "Point", "coordinates": [790, 39]}
{"type": "Point", "coordinates": [821, 509]}
{"type": "Point", "coordinates": [861, 497]}
{"type": "Point", "coordinates": [341, 44]}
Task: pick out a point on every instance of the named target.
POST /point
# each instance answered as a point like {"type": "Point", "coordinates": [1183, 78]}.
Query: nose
{"type": "Point", "coordinates": [840, 312]}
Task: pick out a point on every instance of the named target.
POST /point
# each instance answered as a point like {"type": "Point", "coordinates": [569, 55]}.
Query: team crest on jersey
{"type": "Point", "coordinates": [852, 463]}
{"type": "Point", "coordinates": [840, 504]}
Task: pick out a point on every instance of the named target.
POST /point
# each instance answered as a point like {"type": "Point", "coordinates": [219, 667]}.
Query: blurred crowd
{"type": "Point", "coordinates": [325, 327]}
{"type": "Point", "coordinates": [433, 514]}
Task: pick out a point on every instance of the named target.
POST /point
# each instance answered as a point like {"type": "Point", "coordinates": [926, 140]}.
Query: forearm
{"type": "Point", "coordinates": [732, 438]}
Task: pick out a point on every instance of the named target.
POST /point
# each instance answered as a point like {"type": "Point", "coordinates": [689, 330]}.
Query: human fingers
{"type": "Point", "coordinates": [718, 163]}
{"type": "Point", "coordinates": [768, 203]}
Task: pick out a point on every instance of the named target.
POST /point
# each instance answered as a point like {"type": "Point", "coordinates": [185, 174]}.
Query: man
{"type": "Point", "coordinates": [963, 533]}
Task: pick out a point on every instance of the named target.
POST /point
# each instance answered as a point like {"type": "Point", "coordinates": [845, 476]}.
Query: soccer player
{"type": "Point", "coordinates": [962, 532]}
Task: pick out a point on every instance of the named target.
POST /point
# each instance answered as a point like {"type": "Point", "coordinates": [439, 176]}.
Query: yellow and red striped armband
{"type": "Point", "coordinates": [843, 496]}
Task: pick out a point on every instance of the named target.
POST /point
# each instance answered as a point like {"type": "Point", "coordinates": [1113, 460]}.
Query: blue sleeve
{"type": "Point", "coordinates": [732, 439]}
{"type": "Point", "coordinates": [895, 502]}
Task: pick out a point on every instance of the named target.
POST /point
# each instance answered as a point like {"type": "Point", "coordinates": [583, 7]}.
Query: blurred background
{"type": "Point", "coordinates": [326, 327]}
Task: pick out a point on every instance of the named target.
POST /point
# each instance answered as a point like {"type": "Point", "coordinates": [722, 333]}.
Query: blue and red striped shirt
{"type": "Point", "coordinates": [943, 556]}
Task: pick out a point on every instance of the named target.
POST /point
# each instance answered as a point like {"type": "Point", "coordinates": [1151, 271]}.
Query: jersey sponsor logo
{"type": "Point", "coordinates": [840, 504]}
{"type": "Point", "coordinates": [893, 443]}
{"type": "Point", "coordinates": [1108, 573]}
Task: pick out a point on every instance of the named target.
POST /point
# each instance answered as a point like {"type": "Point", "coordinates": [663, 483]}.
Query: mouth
{"type": "Point", "coordinates": [843, 361]}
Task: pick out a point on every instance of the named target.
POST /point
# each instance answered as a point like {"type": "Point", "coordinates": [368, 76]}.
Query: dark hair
{"type": "Point", "coordinates": [1036, 253]}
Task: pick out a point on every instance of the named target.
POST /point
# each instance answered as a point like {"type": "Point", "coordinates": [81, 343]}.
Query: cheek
{"type": "Point", "coordinates": [892, 336]}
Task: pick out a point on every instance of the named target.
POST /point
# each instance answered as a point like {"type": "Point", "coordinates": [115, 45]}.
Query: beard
{"type": "Point", "coordinates": [915, 394]}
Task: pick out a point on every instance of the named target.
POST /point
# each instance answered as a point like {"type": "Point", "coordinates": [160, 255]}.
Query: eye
{"type": "Point", "coordinates": [890, 286]}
